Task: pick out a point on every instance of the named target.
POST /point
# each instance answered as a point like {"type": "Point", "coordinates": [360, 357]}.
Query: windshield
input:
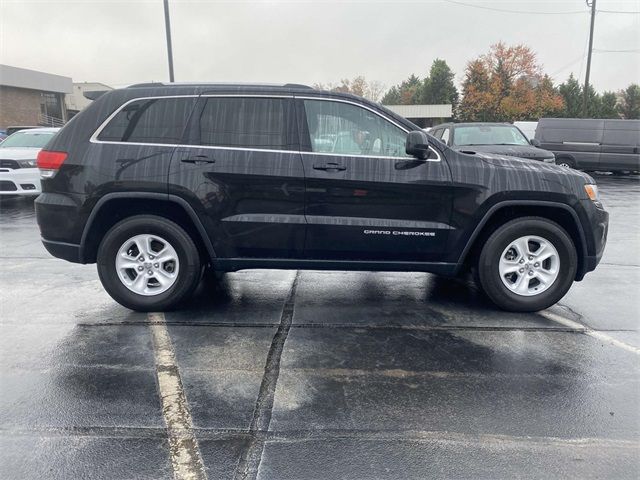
{"type": "Point", "coordinates": [489, 135]}
{"type": "Point", "coordinates": [27, 140]}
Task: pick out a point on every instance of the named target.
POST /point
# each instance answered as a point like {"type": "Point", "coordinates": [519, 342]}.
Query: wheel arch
{"type": "Point", "coordinates": [503, 212]}
{"type": "Point", "coordinates": [114, 207]}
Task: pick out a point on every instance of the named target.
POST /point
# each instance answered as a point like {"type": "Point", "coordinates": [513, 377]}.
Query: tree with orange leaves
{"type": "Point", "coordinates": [507, 84]}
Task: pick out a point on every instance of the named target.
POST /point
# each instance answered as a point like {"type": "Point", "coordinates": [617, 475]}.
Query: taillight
{"type": "Point", "coordinates": [49, 162]}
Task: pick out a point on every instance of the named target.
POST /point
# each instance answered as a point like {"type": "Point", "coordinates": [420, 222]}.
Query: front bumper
{"type": "Point", "coordinates": [22, 181]}
{"type": "Point", "coordinates": [596, 230]}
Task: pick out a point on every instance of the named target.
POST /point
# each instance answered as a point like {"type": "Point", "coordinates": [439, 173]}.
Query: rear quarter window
{"type": "Point", "coordinates": [156, 120]}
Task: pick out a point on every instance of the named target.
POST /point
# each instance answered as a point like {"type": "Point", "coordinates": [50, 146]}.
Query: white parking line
{"type": "Point", "coordinates": [183, 445]}
{"type": "Point", "coordinates": [588, 331]}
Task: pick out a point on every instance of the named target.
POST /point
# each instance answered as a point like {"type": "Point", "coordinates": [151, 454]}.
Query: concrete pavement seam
{"type": "Point", "coordinates": [249, 462]}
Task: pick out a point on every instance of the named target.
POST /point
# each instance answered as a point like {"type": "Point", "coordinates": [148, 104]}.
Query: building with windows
{"type": "Point", "coordinates": [29, 97]}
{"type": "Point", "coordinates": [423, 115]}
{"type": "Point", "coordinates": [76, 100]}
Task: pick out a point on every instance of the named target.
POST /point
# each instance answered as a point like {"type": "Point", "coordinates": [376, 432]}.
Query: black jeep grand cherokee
{"type": "Point", "coordinates": [155, 183]}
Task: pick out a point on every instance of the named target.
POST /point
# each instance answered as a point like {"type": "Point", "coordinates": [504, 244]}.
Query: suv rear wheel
{"type": "Point", "coordinates": [527, 264]}
{"type": "Point", "coordinates": [148, 263]}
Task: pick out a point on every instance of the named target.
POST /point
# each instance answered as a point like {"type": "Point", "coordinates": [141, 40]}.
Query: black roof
{"type": "Point", "coordinates": [176, 89]}
{"type": "Point", "coordinates": [286, 86]}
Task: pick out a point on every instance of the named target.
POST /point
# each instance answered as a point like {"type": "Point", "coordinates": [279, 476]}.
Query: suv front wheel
{"type": "Point", "coordinates": [527, 264]}
{"type": "Point", "coordinates": [148, 263]}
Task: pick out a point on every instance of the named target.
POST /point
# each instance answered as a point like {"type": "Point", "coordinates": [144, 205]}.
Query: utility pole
{"type": "Point", "coordinates": [167, 25]}
{"type": "Point", "coordinates": [586, 79]}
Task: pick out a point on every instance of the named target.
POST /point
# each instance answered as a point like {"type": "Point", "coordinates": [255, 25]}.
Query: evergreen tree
{"type": "Point", "coordinates": [571, 92]}
{"type": "Point", "coordinates": [438, 88]}
{"type": "Point", "coordinates": [608, 101]}
{"type": "Point", "coordinates": [630, 102]}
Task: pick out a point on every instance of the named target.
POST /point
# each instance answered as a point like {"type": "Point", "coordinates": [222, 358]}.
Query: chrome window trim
{"type": "Point", "coordinates": [94, 137]}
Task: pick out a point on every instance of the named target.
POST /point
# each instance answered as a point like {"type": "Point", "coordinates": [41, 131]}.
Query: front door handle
{"type": "Point", "coordinates": [198, 159]}
{"type": "Point", "coordinates": [330, 167]}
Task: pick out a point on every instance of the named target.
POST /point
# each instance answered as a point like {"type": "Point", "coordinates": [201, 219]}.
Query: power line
{"type": "Point", "coordinates": [572, 62]}
{"type": "Point", "coordinates": [619, 11]}
{"type": "Point", "coordinates": [523, 12]}
{"type": "Point", "coordinates": [530, 12]}
{"type": "Point", "coordinates": [631, 50]}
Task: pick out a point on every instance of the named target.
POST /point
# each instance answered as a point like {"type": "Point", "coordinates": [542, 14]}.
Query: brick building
{"type": "Point", "coordinates": [29, 97]}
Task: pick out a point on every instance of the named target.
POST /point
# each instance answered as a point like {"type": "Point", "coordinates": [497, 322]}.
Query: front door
{"type": "Point", "coordinates": [242, 171]}
{"type": "Point", "coordinates": [366, 199]}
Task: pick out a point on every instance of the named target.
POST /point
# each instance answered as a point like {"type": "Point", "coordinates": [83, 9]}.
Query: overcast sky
{"type": "Point", "coordinates": [121, 42]}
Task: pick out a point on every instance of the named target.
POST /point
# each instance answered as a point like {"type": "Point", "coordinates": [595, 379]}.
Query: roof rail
{"type": "Point", "coordinates": [147, 84]}
{"type": "Point", "coordinates": [218, 84]}
{"type": "Point", "coordinates": [297, 85]}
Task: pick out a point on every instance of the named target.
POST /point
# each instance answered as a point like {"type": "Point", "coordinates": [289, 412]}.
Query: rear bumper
{"type": "Point", "coordinates": [23, 181]}
{"type": "Point", "coordinates": [65, 251]}
{"type": "Point", "coordinates": [58, 218]}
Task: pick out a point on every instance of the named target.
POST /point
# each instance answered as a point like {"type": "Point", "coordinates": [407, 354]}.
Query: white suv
{"type": "Point", "coordinates": [19, 174]}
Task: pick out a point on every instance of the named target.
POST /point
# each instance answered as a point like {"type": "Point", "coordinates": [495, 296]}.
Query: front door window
{"type": "Point", "coordinates": [344, 129]}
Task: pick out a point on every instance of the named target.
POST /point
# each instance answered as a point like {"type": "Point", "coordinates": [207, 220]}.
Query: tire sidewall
{"type": "Point", "coordinates": [489, 273]}
{"type": "Point", "coordinates": [189, 262]}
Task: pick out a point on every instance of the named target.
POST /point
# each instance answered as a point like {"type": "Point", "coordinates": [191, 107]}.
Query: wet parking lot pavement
{"type": "Point", "coordinates": [290, 375]}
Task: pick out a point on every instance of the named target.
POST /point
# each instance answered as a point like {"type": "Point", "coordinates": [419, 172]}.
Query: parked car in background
{"type": "Point", "coordinates": [592, 144]}
{"type": "Point", "coordinates": [19, 173]}
{"type": "Point", "coordinates": [528, 128]}
{"type": "Point", "coordinates": [498, 138]}
{"type": "Point", "coordinates": [16, 128]}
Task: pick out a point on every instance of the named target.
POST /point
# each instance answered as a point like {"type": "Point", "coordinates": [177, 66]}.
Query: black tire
{"type": "Point", "coordinates": [566, 162]}
{"type": "Point", "coordinates": [189, 260]}
{"type": "Point", "coordinates": [488, 264]}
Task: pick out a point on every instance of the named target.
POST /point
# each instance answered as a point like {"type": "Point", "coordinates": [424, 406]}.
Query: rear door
{"type": "Point", "coordinates": [620, 144]}
{"type": "Point", "coordinates": [366, 198]}
{"type": "Point", "coordinates": [135, 145]}
{"type": "Point", "coordinates": [241, 169]}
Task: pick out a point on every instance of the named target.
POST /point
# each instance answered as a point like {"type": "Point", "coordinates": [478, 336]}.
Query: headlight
{"type": "Point", "coordinates": [27, 163]}
{"type": "Point", "coordinates": [592, 192]}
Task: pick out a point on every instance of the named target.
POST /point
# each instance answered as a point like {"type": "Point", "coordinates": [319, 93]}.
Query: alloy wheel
{"type": "Point", "coordinates": [147, 264]}
{"type": "Point", "coordinates": [529, 265]}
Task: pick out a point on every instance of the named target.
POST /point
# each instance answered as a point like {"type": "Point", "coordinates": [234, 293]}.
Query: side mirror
{"type": "Point", "coordinates": [535, 142]}
{"type": "Point", "coordinates": [418, 144]}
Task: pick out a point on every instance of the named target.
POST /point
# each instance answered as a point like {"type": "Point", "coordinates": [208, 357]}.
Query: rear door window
{"type": "Point", "coordinates": [155, 120]}
{"type": "Point", "coordinates": [249, 122]}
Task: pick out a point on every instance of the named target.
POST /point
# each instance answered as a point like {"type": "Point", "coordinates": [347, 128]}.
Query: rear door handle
{"type": "Point", "coordinates": [330, 167]}
{"type": "Point", "coordinates": [198, 159]}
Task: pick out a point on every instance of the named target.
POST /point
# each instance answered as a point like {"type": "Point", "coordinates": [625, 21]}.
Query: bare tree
{"type": "Point", "coordinates": [371, 90]}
